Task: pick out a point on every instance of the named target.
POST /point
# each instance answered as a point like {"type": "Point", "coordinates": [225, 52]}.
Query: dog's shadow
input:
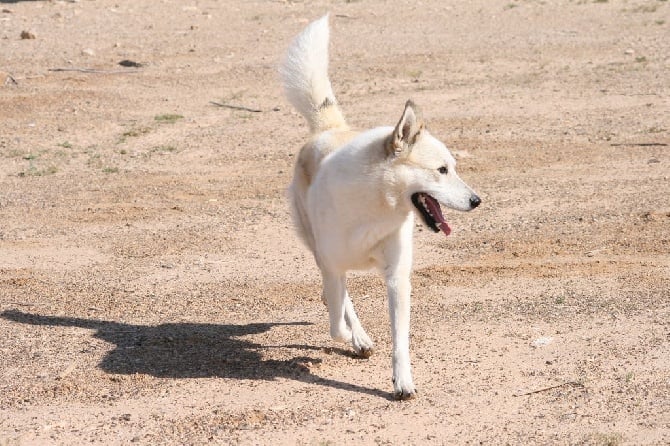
{"type": "Point", "coordinates": [187, 350]}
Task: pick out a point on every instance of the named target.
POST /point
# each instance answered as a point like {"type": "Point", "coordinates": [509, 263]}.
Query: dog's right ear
{"type": "Point", "coordinates": [406, 131]}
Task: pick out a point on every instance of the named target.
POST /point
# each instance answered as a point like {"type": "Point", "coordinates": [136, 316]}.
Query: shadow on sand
{"type": "Point", "coordinates": [184, 350]}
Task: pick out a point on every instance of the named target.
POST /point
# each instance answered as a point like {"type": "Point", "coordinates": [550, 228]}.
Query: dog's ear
{"type": "Point", "coordinates": [406, 131]}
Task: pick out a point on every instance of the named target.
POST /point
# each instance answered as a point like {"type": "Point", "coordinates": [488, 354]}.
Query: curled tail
{"type": "Point", "coordinates": [304, 75]}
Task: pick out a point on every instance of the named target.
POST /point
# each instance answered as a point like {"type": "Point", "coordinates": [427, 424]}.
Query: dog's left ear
{"type": "Point", "coordinates": [406, 131]}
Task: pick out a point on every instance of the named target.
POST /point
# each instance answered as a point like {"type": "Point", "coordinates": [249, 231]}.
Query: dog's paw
{"type": "Point", "coordinates": [403, 390]}
{"type": "Point", "coordinates": [404, 396]}
{"type": "Point", "coordinates": [362, 344]}
{"type": "Point", "coordinates": [365, 352]}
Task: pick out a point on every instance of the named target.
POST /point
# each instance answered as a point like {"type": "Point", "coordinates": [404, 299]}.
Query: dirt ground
{"type": "Point", "coordinates": [152, 290]}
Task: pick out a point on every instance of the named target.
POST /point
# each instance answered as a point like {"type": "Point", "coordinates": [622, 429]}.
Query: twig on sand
{"type": "Point", "coordinates": [640, 144]}
{"type": "Point", "coordinates": [10, 80]}
{"type": "Point", "coordinates": [544, 389]}
{"type": "Point", "coordinates": [23, 304]}
{"type": "Point", "coordinates": [93, 71]}
{"type": "Point", "coordinates": [236, 107]}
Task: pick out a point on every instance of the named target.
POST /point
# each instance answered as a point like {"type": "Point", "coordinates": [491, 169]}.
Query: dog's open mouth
{"type": "Point", "coordinates": [431, 212]}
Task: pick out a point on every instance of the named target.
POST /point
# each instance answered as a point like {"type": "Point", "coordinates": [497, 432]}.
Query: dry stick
{"type": "Point", "coordinates": [93, 71]}
{"type": "Point", "coordinates": [641, 144]}
{"type": "Point", "coordinates": [236, 107]}
{"type": "Point", "coordinates": [10, 79]}
{"type": "Point", "coordinates": [544, 389]}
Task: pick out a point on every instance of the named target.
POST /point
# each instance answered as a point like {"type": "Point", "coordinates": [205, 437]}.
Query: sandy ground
{"type": "Point", "coordinates": [152, 290]}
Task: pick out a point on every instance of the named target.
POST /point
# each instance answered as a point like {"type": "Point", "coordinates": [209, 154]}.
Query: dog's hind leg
{"type": "Point", "coordinates": [363, 345]}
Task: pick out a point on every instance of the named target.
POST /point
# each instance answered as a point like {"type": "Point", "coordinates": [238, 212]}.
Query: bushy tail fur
{"type": "Point", "coordinates": [304, 75]}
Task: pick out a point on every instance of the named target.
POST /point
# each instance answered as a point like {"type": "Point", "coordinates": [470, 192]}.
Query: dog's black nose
{"type": "Point", "coordinates": [475, 201]}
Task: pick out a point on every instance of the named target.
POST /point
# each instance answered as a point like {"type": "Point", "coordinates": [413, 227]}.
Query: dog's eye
{"type": "Point", "coordinates": [443, 170]}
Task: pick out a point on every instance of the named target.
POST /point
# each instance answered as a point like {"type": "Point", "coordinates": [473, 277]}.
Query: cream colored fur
{"type": "Point", "coordinates": [352, 196]}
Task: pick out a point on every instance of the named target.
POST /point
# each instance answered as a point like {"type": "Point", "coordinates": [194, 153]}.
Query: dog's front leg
{"type": "Point", "coordinates": [363, 345]}
{"type": "Point", "coordinates": [399, 289]}
{"type": "Point", "coordinates": [335, 294]}
{"type": "Point", "coordinates": [398, 255]}
{"type": "Point", "coordinates": [344, 323]}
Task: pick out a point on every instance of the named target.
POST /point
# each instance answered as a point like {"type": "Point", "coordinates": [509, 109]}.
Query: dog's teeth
{"type": "Point", "coordinates": [422, 200]}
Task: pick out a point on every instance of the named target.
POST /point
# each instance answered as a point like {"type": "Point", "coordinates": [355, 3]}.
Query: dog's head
{"type": "Point", "coordinates": [428, 171]}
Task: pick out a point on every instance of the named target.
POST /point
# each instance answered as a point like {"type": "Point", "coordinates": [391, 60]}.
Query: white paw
{"type": "Point", "coordinates": [402, 378]}
{"type": "Point", "coordinates": [363, 345]}
{"type": "Point", "coordinates": [403, 388]}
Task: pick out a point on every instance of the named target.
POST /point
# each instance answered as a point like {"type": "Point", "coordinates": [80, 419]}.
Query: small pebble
{"type": "Point", "coordinates": [543, 341]}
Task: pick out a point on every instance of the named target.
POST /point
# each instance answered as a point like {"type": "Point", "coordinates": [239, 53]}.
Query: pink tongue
{"type": "Point", "coordinates": [444, 227]}
{"type": "Point", "coordinates": [436, 212]}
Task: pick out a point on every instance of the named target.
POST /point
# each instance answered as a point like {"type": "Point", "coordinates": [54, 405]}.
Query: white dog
{"type": "Point", "coordinates": [354, 196]}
